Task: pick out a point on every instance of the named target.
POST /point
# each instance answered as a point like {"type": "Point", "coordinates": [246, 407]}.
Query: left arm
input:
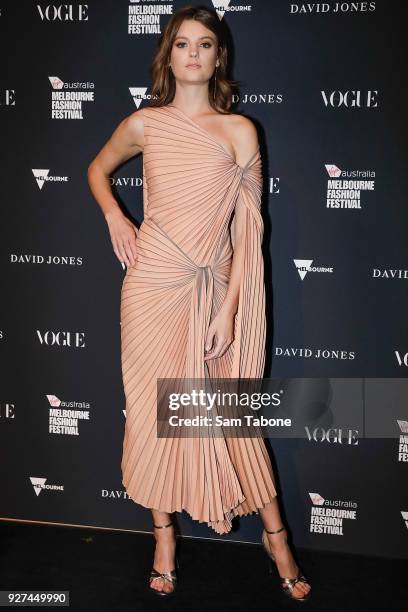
{"type": "Point", "coordinates": [221, 328]}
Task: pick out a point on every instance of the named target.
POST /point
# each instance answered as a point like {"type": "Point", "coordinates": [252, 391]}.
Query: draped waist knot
{"type": "Point", "coordinates": [199, 320]}
{"type": "Point", "coordinates": [202, 278]}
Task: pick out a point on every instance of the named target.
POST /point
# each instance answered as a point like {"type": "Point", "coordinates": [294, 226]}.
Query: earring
{"type": "Point", "coordinates": [215, 78]}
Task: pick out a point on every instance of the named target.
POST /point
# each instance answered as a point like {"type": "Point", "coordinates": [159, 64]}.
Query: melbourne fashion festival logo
{"type": "Point", "coordinates": [43, 176]}
{"type": "Point", "coordinates": [317, 8]}
{"type": "Point", "coordinates": [145, 18]}
{"type": "Point", "coordinates": [403, 441]}
{"type": "Point", "coordinates": [327, 517]}
{"type": "Point", "coordinates": [66, 102]}
{"type": "Point", "coordinates": [303, 266]}
{"type": "Point", "coordinates": [39, 485]}
{"type": "Point", "coordinates": [344, 187]}
{"type": "Point", "coordinates": [64, 416]}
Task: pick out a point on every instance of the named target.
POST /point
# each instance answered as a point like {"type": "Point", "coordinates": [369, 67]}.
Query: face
{"type": "Point", "coordinates": [194, 52]}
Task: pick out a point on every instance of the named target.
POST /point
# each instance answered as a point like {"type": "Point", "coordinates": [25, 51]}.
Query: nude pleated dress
{"type": "Point", "coordinates": [191, 185]}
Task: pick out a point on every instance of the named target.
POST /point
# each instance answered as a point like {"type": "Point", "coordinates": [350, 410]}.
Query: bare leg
{"type": "Point", "coordinates": [285, 562]}
{"type": "Point", "coordinates": [165, 550]}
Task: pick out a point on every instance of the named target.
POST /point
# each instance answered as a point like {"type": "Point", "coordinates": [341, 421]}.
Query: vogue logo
{"type": "Point", "coordinates": [7, 97]}
{"type": "Point", "coordinates": [63, 12]}
{"type": "Point", "coordinates": [332, 435]}
{"type": "Point", "coordinates": [62, 338]}
{"type": "Point", "coordinates": [402, 358]}
{"type": "Point", "coordinates": [350, 99]}
{"type": "Point", "coordinates": [7, 411]}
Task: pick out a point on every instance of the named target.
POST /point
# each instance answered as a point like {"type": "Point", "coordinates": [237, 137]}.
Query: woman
{"type": "Point", "coordinates": [193, 300]}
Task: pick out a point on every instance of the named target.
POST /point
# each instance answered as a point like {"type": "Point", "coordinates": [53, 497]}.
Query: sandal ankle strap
{"type": "Point", "coordinates": [277, 531]}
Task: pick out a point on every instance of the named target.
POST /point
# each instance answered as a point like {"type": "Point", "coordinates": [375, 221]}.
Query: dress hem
{"type": "Point", "coordinates": [233, 512]}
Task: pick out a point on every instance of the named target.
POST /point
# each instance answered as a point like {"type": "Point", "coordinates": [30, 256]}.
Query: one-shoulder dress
{"type": "Point", "coordinates": [191, 185]}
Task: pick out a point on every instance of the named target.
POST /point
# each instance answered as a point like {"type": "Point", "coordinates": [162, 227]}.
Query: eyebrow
{"type": "Point", "coordinates": [210, 37]}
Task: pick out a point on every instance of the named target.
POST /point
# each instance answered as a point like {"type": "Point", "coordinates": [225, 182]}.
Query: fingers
{"type": "Point", "coordinates": [221, 346]}
{"type": "Point", "coordinates": [123, 252]}
{"type": "Point", "coordinates": [132, 249]}
{"type": "Point", "coordinates": [125, 249]}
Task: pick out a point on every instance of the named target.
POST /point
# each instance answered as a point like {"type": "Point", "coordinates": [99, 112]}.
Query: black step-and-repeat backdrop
{"type": "Point", "coordinates": [324, 83]}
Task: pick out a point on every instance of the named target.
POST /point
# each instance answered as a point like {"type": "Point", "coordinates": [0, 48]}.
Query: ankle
{"type": "Point", "coordinates": [164, 536]}
{"type": "Point", "coordinates": [278, 539]}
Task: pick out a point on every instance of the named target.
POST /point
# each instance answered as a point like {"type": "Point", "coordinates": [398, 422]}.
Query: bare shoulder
{"type": "Point", "coordinates": [243, 135]}
{"type": "Point", "coordinates": [133, 128]}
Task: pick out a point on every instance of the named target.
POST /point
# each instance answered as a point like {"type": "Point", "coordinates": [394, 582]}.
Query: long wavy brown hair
{"type": "Point", "coordinates": [164, 83]}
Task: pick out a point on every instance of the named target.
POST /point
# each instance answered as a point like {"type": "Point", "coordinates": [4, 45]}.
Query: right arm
{"type": "Point", "coordinates": [126, 141]}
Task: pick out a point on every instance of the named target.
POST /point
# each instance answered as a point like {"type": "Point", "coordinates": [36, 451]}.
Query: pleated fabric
{"type": "Point", "coordinates": [191, 186]}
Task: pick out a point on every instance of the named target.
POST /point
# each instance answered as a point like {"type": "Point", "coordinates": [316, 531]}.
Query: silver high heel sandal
{"type": "Point", "coordinates": [170, 576]}
{"type": "Point", "coordinates": [287, 584]}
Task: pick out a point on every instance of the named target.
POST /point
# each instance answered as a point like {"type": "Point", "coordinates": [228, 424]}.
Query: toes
{"type": "Point", "coordinates": [296, 592]}
{"type": "Point", "coordinates": [302, 589]}
{"type": "Point", "coordinates": [157, 584]}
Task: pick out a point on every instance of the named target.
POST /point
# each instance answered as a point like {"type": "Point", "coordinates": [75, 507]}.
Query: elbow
{"type": "Point", "coordinates": [90, 167]}
{"type": "Point", "coordinates": [90, 173]}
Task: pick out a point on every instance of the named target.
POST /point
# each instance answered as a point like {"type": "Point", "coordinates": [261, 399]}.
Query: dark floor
{"type": "Point", "coordinates": [108, 571]}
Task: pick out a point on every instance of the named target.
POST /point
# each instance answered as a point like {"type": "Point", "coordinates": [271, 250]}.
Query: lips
{"type": "Point", "coordinates": [193, 66]}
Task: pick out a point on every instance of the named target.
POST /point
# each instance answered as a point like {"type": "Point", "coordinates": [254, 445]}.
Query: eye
{"type": "Point", "coordinates": [206, 44]}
